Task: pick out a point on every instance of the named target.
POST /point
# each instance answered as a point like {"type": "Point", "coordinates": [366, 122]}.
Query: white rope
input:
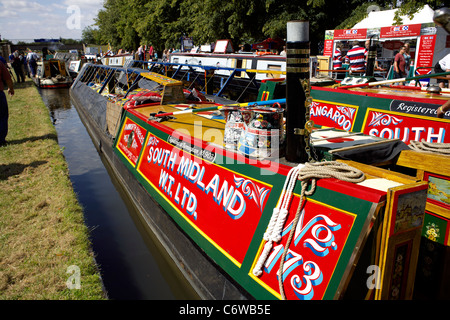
{"type": "Point", "coordinates": [304, 173]}
{"type": "Point", "coordinates": [273, 232]}
{"type": "Point", "coordinates": [423, 146]}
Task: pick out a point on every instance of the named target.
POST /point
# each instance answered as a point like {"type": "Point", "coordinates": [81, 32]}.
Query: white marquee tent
{"type": "Point", "coordinates": [378, 19]}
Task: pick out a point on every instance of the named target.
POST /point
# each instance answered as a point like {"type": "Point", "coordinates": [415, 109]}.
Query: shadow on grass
{"type": "Point", "coordinates": [32, 139]}
{"type": "Point", "coordinates": [21, 85]}
{"type": "Point", "coordinates": [12, 169]}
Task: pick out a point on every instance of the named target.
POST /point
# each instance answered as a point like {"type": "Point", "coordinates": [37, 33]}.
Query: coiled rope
{"type": "Point", "coordinates": [423, 146]}
{"type": "Point", "coordinates": [304, 173]}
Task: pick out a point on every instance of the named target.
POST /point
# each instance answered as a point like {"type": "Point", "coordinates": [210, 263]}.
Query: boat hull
{"type": "Point", "coordinates": [58, 85]}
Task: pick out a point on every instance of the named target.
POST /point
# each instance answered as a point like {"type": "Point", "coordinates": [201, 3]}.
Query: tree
{"type": "Point", "coordinates": [129, 23]}
{"type": "Point", "coordinates": [91, 35]}
{"type": "Point", "coordinates": [107, 22]}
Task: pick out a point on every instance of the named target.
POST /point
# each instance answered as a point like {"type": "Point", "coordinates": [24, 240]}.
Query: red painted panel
{"type": "Point", "coordinates": [131, 140]}
{"type": "Point", "coordinates": [222, 205]}
{"type": "Point", "coordinates": [397, 126]}
{"type": "Point", "coordinates": [313, 254]}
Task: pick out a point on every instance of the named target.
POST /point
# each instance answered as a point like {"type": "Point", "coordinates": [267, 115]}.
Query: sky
{"type": "Point", "coordinates": [48, 19]}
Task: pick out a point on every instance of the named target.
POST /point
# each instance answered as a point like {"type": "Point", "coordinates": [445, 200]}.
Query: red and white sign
{"type": "Point", "coordinates": [131, 141]}
{"type": "Point", "coordinates": [222, 205]}
{"type": "Point", "coordinates": [411, 30]}
{"type": "Point", "coordinates": [425, 54]}
{"type": "Point", "coordinates": [394, 126]}
{"type": "Point", "coordinates": [350, 34]}
{"type": "Point", "coordinates": [331, 115]}
{"type": "Point", "coordinates": [328, 48]}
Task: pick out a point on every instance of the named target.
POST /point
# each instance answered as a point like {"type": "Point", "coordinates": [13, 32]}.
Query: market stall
{"type": "Point", "coordinates": [428, 42]}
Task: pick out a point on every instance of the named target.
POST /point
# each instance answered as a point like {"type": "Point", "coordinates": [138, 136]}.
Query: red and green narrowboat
{"type": "Point", "coordinates": [237, 197]}
{"type": "Point", "coordinates": [210, 206]}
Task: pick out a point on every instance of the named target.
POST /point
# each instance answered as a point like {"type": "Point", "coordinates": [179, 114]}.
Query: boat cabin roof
{"type": "Point", "coordinates": [203, 126]}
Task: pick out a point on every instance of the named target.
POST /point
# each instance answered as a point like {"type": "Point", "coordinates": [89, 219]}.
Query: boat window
{"type": "Point", "coordinates": [274, 68]}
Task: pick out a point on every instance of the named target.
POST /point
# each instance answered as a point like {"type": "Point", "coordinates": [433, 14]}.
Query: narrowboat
{"type": "Point", "coordinates": [52, 73]}
{"type": "Point", "coordinates": [224, 56]}
{"type": "Point", "coordinates": [116, 60]}
{"type": "Point", "coordinates": [238, 198]}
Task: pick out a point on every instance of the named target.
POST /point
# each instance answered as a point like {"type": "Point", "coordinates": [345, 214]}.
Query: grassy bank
{"type": "Point", "coordinates": [44, 244]}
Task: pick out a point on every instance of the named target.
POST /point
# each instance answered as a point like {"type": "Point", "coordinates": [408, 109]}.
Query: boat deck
{"type": "Point", "coordinates": [207, 126]}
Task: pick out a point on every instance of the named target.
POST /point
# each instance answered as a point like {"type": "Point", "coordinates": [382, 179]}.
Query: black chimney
{"type": "Point", "coordinates": [297, 71]}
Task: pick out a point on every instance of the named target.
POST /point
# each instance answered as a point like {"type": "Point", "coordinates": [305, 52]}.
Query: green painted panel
{"type": "Point", "coordinates": [434, 228]}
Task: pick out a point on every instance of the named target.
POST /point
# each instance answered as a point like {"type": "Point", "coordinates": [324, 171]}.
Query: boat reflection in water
{"type": "Point", "coordinates": [132, 265]}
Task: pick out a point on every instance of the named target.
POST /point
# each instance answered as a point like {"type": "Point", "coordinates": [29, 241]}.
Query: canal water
{"type": "Point", "coordinates": [132, 264]}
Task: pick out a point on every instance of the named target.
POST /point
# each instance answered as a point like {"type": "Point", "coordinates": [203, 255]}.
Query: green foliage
{"type": "Point", "coordinates": [409, 8]}
{"type": "Point", "coordinates": [127, 24]}
{"type": "Point", "coordinates": [91, 35]}
{"type": "Point", "coordinates": [357, 15]}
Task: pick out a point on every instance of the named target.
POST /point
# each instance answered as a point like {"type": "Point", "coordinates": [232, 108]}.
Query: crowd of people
{"type": "Point", "coordinates": [357, 56]}
{"type": "Point", "coordinates": [142, 54]}
{"type": "Point", "coordinates": [22, 64]}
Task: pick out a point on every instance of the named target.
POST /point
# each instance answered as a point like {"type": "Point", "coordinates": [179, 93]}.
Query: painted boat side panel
{"type": "Point", "coordinates": [225, 209]}
{"type": "Point", "coordinates": [389, 116]}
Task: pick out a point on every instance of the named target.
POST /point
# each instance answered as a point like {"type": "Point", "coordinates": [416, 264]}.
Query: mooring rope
{"type": "Point", "coordinates": [423, 146]}
{"type": "Point", "coordinates": [278, 217]}
{"type": "Point", "coordinates": [304, 173]}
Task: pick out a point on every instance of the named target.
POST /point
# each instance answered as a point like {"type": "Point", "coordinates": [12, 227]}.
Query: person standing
{"type": "Point", "coordinates": [17, 66]}
{"type": "Point", "coordinates": [356, 58]}
{"type": "Point", "coordinates": [399, 64]}
{"type": "Point", "coordinates": [140, 52]}
{"type": "Point", "coordinates": [5, 77]}
{"type": "Point", "coordinates": [32, 63]}
{"type": "Point", "coordinates": [337, 57]}
{"type": "Point", "coordinates": [407, 56]}
{"type": "Point", "coordinates": [366, 51]}
{"type": "Point", "coordinates": [150, 53]}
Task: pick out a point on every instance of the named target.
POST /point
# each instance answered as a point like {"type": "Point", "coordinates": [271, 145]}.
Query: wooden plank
{"type": "Point", "coordinates": [166, 81]}
{"type": "Point", "coordinates": [428, 162]}
{"type": "Point", "coordinates": [113, 113]}
{"type": "Point", "coordinates": [381, 173]}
